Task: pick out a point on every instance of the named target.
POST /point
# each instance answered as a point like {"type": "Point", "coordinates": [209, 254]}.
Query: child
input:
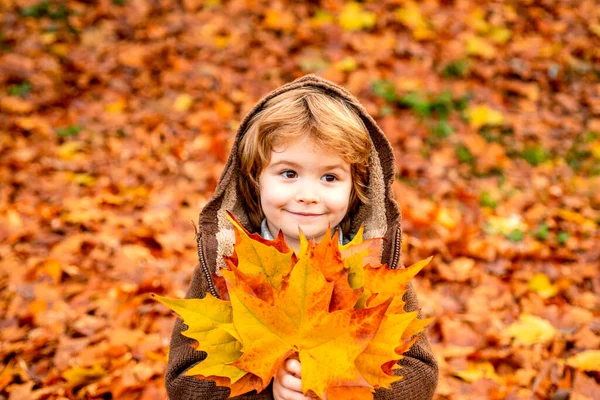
{"type": "Point", "coordinates": [308, 155]}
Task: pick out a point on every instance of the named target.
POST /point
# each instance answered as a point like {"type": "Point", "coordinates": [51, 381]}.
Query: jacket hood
{"type": "Point", "coordinates": [380, 216]}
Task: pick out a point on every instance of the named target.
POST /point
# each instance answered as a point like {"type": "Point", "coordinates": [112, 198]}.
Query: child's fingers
{"type": "Point", "coordinates": [288, 380]}
{"type": "Point", "coordinates": [293, 366]}
{"type": "Point", "coordinates": [287, 386]}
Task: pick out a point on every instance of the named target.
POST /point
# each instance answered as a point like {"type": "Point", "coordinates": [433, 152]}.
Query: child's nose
{"type": "Point", "coordinates": [307, 194]}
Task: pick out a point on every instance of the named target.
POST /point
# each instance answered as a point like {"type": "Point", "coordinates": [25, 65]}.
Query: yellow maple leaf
{"type": "Point", "coordinates": [540, 283]}
{"type": "Point", "coordinates": [585, 224]}
{"type": "Point", "coordinates": [213, 327]}
{"type": "Point", "coordinates": [588, 360]}
{"type": "Point", "coordinates": [82, 179]}
{"type": "Point", "coordinates": [477, 46]}
{"type": "Point", "coordinates": [476, 371]}
{"type": "Point", "coordinates": [595, 149]}
{"type": "Point", "coordinates": [499, 34]}
{"type": "Point", "coordinates": [448, 218]}
{"type": "Point", "coordinates": [49, 37]}
{"type": "Point", "coordinates": [69, 150]}
{"type": "Point", "coordinates": [183, 102]}
{"type": "Point", "coordinates": [482, 115]}
{"type": "Point", "coordinates": [381, 349]}
{"type": "Point", "coordinates": [346, 64]}
{"type": "Point", "coordinates": [411, 16]}
{"type": "Point", "coordinates": [322, 17]}
{"type": "Point", "coordinates": [505, 225]}
{"type": "Point", "coordinates": [77, 376]}
{"type": "Point", "coordinates": [476, 20]}
{"type": "Point", "coordinates": [276, 304]}
{"type": "Point", "coordinates": [353, 17]}
{"type": "Point", "coordinates": [529, 330]}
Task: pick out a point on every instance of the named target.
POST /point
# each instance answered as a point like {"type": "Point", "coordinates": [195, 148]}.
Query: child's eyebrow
{"type": "Point", "coordinates": [336, 166]}
{"type": "Point", "coordinates": [285, 162]}
{"type": "Point", "coordinates": [297, 165]}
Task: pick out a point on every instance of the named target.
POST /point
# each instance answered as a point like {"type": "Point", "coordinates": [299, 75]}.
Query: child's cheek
{"type": "Point", "coordinates": [273, 193]}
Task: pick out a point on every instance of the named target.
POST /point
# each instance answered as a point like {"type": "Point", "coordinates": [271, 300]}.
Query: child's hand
{"type": "Point", "coordinates": [288, 385]}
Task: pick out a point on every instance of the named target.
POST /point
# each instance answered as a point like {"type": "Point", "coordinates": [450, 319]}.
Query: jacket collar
{"type": "Point", "coordinates": [266, 234]}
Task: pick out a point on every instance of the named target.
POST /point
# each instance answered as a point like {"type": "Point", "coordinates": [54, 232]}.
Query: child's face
{"type": "Point", "coordinates": [304, 186]}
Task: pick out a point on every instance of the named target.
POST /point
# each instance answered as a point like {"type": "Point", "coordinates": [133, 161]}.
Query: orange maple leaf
{"type": "Point", "coordinates": [334, 307]}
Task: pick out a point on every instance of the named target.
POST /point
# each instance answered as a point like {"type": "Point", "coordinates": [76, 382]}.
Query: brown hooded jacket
{"type": "Point", "coordinates": [381, 217]}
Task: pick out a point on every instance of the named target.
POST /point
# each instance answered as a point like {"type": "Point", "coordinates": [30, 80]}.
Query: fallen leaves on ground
{"type": "Point", "coordinates": [117, 117]}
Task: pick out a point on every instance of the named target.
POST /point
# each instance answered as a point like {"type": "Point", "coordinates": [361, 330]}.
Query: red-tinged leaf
{"type": "Point", "coordinates": [271, 258]}
{"type": "Point", "coordinates": [343, 295]}
{"type": "Point", "coordinates": [370, 249]}
{"type": "Point", "coordinates": [257, 286]}
{"type": "Point", "coordinates": [385, 282]}
{"type": "Point", "coordinates": [328, 257]}
{"type": "Point", "coordinates": [221, 286]}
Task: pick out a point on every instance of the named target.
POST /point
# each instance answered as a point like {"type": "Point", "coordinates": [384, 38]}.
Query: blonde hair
{"type": "Point", "coordinates": [330, 122]}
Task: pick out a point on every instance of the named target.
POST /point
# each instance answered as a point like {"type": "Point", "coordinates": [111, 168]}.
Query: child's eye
{"type": "Point", "coordinates": [289, 174]}
{"type": "Point", "coordinates": [329, 178]}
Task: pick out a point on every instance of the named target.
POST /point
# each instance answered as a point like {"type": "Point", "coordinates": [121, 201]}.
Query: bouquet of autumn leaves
{"type": "Point", "coordinates": [334, 307]}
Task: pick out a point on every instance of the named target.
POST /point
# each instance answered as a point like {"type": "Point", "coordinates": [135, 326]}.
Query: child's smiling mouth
{"type": "Point", "coordinates": [304, 214]}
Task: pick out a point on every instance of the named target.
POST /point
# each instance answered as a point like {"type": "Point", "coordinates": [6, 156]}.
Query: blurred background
{"type": "Point", "coordinates": [116, 118]}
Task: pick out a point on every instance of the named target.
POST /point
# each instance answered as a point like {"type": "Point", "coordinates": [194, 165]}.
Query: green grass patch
{"type": "Point", "coordinates": [56, 11]}
{"type": "Point", "coordinates": [576, 157]}
{"type": "Point", "coordinates": [456, 69]}
{"type": "Point", "coordinates": [384, 89]}
{"type": "Point", "coordinates": [562, 237]}
{"type": "Point", "coordinates": [442, 129]}
{"type": "Point", "coordinates": [443, 105]}
{"type": "Point", "coordinates": [464, 155]}
{"type": "Point", "coordinates": [68, 131]}
{"type": "Point", "coordinates": [590, 136]}
{"type": "Point", "coordinates": [542, 231]}
{"type": "Point", "coordinates": [38, 10]}
{"type": "Point", "coordinates": [535, 155]}
{"type": "Point", "coordinates": [516, 236]}
{"type": "Point", "coordinates": [22, 89]}
{"type": "Point", "coordinates": [580, 156]}
{"type": "Point", "coordinates": [486, 200]}
{"type": "Point", "coordinates": [432, 109]}
{"type": "Point", "coordinates": [417, 103]}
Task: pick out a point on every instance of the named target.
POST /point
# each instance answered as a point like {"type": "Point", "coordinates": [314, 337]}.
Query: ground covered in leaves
{"type": "Point", "coordinates": [116, 118]}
